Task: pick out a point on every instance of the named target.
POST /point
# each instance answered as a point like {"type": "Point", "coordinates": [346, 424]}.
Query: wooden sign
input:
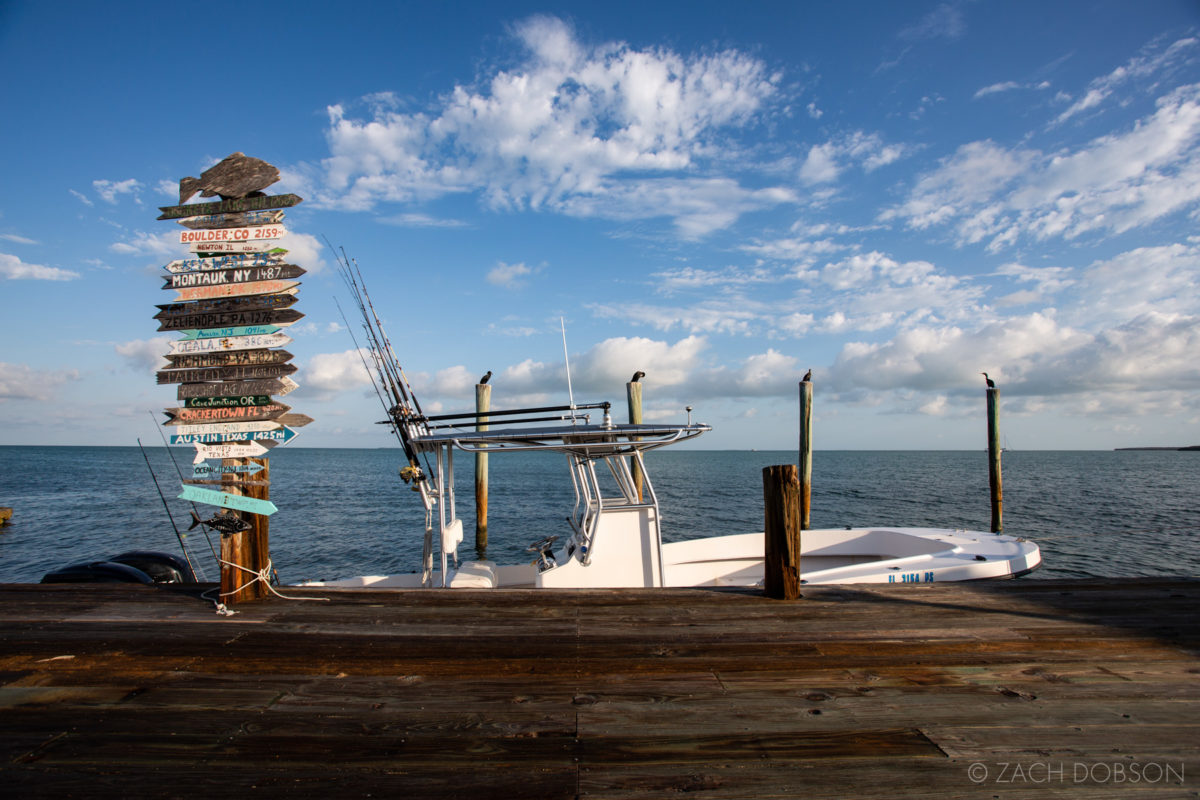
{"type": "Point", "coordinates": [287, 386]}
{"type": "Point", "coordinates": [225, 480]}
{"type": "Point", "coordinates": [196, 416]}
{"type": "Point", "coordinates": [217, 277]}
{"type": "Point", "coordinates": [242, 220]}
{"type": "Point", "coordinates": [228, 402]}
{"type": "Point", "coordinates": [252, 302]}
{"type": "Point", "coordinates": [230, 206]}
{"type": "Point", "coordinates": [250, 342]}
{"type": "Point", "coordinates": [258, 233]}
{"type": "Point", "coordinates": [293, 420]}
{"type": "Point", "coordinates": [205, 452]}
{"type": "Point", "coordinates": [232, 331]}
{"type": "Point", "coordinates": [206, 469]}
{"type": "Point", "coordinates": [225, 358]}
{"type": "Point", "coordinates": [216, 437]}
{"type": "Point", "coordinates": [216, 248]}
{"type": "Point", "coordinates": [239, 372]}
{"type": "Point", "coordinates": [233, 388]}
{"type": "Point", "coordinates": [228, 319]}
{"type": "Point", "coordinates": [225, 500]}
{"type": "Point", "coordinates": [232, 289]}
{"type": "Point", "coordinates": [243, 428]}
{"type": "Point", "coordinates": [226, 262]}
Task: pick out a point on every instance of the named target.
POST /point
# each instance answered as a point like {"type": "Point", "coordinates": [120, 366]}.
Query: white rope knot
{"type": "Point", "coordinates": [263, 575]}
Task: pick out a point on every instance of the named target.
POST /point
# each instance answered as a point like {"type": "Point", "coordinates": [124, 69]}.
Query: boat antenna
{"type": "Point", "coordinates": [567, 361]}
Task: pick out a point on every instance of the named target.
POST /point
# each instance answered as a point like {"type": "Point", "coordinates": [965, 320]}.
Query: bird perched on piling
{"type": "Point", "coordinates": [486, 377]}
{"type": "Point", "coordinates": [991, 383]}
{"type": "Point", "coordinates": [807, 377]}
{"type": "Point", "coordinates": [637, 376]}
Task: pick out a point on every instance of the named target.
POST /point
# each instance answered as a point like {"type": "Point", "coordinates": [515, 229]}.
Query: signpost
{"type": "Point", "coordinates": [233, 299]}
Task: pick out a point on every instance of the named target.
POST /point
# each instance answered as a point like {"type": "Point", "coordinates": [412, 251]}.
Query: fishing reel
{"type": "Point", "coordinates": [413, 475]}
{"type": "Point", "coordinates": [544, 549]}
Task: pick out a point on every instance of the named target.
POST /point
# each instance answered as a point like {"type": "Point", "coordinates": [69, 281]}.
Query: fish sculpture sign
{"type": "Point", "coordinates": [234, 294]}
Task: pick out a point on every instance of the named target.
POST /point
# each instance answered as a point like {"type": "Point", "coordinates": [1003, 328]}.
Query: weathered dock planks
{"type": "Point", "coordinates": [1011, 690]}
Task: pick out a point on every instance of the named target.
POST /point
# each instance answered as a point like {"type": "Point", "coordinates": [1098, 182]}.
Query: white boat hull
{"type": "Point", "coordinates": [862, 555]}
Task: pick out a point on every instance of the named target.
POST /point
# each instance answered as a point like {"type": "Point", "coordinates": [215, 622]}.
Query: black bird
{"type": "Point", "coordinates": [637, 376]}
{"type": "Point", "coordinates": [486, 378]}
{"type": "Point", "coordinates": [807, 377]}
{"type": "Point", "coordinates": [991, 383]}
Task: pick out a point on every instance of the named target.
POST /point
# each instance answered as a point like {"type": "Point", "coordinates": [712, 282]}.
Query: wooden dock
{"type": "Point", "coordinates": [1012, 690]}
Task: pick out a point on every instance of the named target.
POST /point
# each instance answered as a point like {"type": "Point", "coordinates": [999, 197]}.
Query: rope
{"type": "Point", "coordinates": [263, 575]}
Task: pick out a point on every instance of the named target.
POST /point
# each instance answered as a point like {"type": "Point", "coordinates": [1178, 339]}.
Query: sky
{"type": "Point", "coordinates": [897, 196]}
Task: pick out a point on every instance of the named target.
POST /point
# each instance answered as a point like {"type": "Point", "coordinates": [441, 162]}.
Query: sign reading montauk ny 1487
{"type": "Point", "coordinates": [216, 277]}
{"type": "Point", "coordinates": [258, 233]}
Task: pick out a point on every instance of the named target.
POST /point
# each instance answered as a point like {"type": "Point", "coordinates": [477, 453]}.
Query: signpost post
{"type": "Point", "coordinates": [234, 295]}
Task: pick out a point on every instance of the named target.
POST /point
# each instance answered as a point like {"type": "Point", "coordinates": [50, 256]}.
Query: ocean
{"type": "Point", "coordinates": [346, 512]}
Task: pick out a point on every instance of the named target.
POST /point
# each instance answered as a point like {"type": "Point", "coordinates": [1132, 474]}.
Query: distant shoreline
{"type": "Point", "coordinates": [1188, 447]}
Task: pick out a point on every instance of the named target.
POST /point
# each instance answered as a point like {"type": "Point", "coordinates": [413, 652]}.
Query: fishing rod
{"type": "Point", "coordinates": [179, 472]}
{"type": "Point", "coordinates": [167, 508]}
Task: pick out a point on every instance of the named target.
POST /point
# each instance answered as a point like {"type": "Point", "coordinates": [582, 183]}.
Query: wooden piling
{"type": "Point", "coordinates": [246, 554]}
{"type": "Point", "coordinates": [483, 402]}
{"type": "Point", "coordinates": [6, 513]}
{"type": "Point", "coordinates": [994, 475]}
{"type": "Point", "coordinates": [633, 393]}
{"type": "Point", "coordinates": [781, 526]}
{"type": "Point", "coordinates": [805, 462]}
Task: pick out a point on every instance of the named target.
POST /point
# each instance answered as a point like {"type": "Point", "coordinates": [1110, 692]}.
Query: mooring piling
{"type": "Point", "coordinates": [805, 462]}
{"type": "Point", "coordinates": [781, 532]}
{"type": "Point", "coordinates": [994, 474]}
{"type": "Point", "coordinates": [245, 556]}
{"type": "Point", "coordinates": [633, 393]}
{"type": "Point", "coordinates": [483, 403]}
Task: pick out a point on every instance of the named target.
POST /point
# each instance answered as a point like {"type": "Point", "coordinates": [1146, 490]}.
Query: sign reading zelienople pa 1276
{"type": "Point", "coordinates": [233, 296]}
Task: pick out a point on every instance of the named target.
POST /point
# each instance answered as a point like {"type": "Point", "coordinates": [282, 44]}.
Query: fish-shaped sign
{"type": "Point", "coordinates": [274, 256]}
{"type": "Point", "coordinates": [224, 500]}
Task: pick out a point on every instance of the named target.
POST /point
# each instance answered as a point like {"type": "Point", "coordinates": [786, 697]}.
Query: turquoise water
{"type": "Point", "coordinates": [345, 512]}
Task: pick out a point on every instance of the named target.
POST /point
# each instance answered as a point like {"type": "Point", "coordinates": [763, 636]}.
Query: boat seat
{"type": "Point", "coordinates": [474, 575]}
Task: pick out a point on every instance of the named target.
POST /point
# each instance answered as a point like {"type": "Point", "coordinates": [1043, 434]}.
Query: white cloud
{"type": "Point", "coordinates": [332, 373]}
{"type": "Point", "coordinates": [565, 130]}
{"type": "Point", "coordinates": [1110, 185]}
{"type": "Point", "coordinates": [413, 220]}
{"type": "Point", "coordinates": [83, 198]}
{"type": "Point", "coordinates": [826, 161]}
{"type": "Point", "coordinates": [508, 275]}
{"type": "Point", "coordinates": [145, 355]}
{"type": "Point", "coordinates": [162, 245]}
{"type": "Point", "coordinates": [944, 22]}
{"type": "Point", "coordinates": [304, 250]}
{"type": "Point", "coordinates": [110, 190]}
{"type": "Point", "coordinates": [22, 382]}
{"type": "Point", "coordinates": [13, 268]}
{"type": "Point", "coordinates": [1142, 66]}
{"type": "Point", "coordinates": [12, 237]}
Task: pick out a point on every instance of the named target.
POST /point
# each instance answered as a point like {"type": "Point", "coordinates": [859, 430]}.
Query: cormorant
{"type": "Point", "coordinates": [637, 376]}
{"type": "Point", "coordinates": [807, 377]}
{"type": "Point", "coordinates": [486, 377]}
{"type": "Point", "coordinates": [991, 383]}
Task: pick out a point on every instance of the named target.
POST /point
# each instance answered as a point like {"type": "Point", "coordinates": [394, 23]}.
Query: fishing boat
{"type": "Point", "coordinates": [613, 533]}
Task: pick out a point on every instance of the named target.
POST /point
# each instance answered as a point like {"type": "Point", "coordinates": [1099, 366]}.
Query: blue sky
{"type": "Point", "coordinates": [896, 195]}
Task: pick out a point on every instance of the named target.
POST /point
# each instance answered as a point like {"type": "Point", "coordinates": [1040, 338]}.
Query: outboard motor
{"type": "Point", "coordinates": [97, 572]}
{"type": "Point", "coordinates": [161, 567]}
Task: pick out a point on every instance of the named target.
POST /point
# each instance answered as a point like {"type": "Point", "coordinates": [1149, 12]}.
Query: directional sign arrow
{"type": "Point", "coordinates": [234, 501]}
{"type": "Point", "coordinates": [228, 402]}
{"type": "Point", "coordinates": [190, 334]}
{"type": "Point", "coordinates": [208, 236]}
{"type": "Point", "coordinates": [233, 220]}
{"type": "Point", "coordinates": [293, 420]}
{"type": "Point", "coordinates": [205, 469]}
{"type": "Point", "coordinates": [216, 248]}
{"type": "Point", "coordinates": [239, 450]}
{"type": "Point", "coordinates": [232, 373]}
{"type": "Point", "coordinates": [218, 277]}
{"type": "Point", "coordinates": [228, 358]}
{"type": "Point", "coordinates": [254, 302]}
{"type": "Point", "coordinates": [230, 206]}
{"type": "Point", "coordinates": [228, 343]}
{"type": "Point", "coordinates": [228, 319]}
{"type": "Point", "coordinates": [234, 426]}
{"type": "Point", "coordinates": [280, 386]}
{"type": "Point", "coordinates": [279, 435]}
{"type": "Point", "coordinates": [247, 413]}
{"type": "Point", "coordinates": [273, 256]}
{"type": "Point", "coordinates": [235, 289]}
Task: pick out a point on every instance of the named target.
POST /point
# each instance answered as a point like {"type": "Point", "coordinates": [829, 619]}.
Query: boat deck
{"type": "Point", "coordinates": [1016, 689]}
